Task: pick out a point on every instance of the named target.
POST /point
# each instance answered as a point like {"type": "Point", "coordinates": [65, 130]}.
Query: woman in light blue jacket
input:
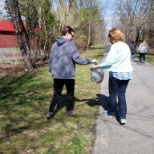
{"type": "Point", "coordinates": [118, 63]}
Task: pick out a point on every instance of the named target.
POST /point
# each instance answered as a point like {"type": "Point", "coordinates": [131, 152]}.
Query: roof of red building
{"type": "Point", "coordinates": [6, 26]}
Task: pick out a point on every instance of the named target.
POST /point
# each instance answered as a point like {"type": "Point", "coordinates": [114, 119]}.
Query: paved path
{"type": "Point", "coordinates": [137, 136]}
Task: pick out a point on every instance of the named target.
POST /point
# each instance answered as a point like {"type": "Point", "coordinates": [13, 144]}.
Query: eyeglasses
{"type": "Point", "coordinates": [72, 35]}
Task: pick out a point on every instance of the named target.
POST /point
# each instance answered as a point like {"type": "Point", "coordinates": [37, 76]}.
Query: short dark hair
{"type": "Point", "coordinates": [66, 29]}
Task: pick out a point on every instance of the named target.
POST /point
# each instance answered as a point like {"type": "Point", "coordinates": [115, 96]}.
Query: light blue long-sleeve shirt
{"type": "Point", "coordinates": [118, 58]}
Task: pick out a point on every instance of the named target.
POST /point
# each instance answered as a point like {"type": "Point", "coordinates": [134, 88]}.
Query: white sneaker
{"type": "Point", "coordinates": [122, 121]}
{"type": "Point", "coordinates": [106, 113]}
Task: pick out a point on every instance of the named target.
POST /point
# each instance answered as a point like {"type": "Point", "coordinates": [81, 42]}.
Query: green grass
{"type": "Point", "coordinates": [24, 102]}
{"type": "Point", "coordinates": [149, 58]}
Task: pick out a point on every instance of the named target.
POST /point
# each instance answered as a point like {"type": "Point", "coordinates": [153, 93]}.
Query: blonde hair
{"type": "Point", "coordinates": [144, 42]}
{"type": "Point", "coordinates": [116, 35]}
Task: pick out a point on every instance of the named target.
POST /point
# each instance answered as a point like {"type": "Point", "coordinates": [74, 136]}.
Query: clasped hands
{"type": "Point", "coordinates": [94, 64]}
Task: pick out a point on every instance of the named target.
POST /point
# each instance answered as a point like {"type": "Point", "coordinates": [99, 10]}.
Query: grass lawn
{"type": "Point", "coordinates": [24, 102]}
{"type": "Point", "coordinates": [149, 58]}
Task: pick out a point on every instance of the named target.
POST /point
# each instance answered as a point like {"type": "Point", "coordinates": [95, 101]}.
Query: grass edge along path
{"type": "Point", "coordinates": [24, 101]}
{"type": "Point", "coordinates": [149, 56]}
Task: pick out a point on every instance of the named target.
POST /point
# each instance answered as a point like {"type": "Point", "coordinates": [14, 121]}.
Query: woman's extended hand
{"type": "Point", "coordinates": [94, 61]}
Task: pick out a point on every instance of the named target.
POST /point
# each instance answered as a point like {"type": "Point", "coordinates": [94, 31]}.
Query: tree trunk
{"type": "Point", "coordinates": [89, 35]}
{"type": "Point", "coordinates": [21, 33]}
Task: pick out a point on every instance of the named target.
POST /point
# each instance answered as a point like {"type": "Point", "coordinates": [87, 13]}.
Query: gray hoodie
{"type": "Point", "coordinates": [142, 48]}
{"type": "Point", "coordinates": [63, 56]}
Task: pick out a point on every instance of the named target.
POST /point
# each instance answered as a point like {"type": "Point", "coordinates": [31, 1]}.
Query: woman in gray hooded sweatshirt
{"type": "Point", "coordinates": [142, 49]}
{"type": "Point", "coordinates": [63, 57]}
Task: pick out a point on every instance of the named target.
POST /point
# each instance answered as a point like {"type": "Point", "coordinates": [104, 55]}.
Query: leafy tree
{"type": "Point", "coordinates": [82, 15]}
{"type": "Point", "coordinates": [50, 16]}
{"type": "Point", "coordinates": [47, 21]}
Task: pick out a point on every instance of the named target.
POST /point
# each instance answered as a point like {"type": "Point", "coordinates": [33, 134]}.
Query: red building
{"type": "Point", "coordinates": [8, 38]}
{"type": "Point", "coordinates": [9, 48]}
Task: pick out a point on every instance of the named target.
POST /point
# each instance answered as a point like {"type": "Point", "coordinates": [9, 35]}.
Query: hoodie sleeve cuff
{"type": "Point", "coordinates": [89, 61]}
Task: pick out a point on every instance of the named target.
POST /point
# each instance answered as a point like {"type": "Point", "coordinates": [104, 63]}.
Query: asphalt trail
{"type": "Point", "coordinates": [137, 136]}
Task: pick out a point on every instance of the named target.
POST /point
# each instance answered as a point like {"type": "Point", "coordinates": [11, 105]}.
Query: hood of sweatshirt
{"type": "Point", "coordinates": [61, 40]}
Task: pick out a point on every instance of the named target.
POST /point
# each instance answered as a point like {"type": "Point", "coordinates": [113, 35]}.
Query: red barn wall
{"type": "Point", "coordinates": [8, 40]}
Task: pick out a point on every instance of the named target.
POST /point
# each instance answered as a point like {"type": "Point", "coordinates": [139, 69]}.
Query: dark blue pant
{"type": "Point", "coordinates": [142, 55]}
{"type": "Point", "coordinates": [58, 87]}
{"type": "Point", "coordinates": [117, 88]}
{"type": "Point", "coordinates": [133, 55]}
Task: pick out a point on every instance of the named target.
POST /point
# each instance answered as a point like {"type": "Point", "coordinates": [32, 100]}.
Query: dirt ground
{"type": "Point", "coordinates": [14, 69]}
{"type": "Point", "coordinates": [11, 69]}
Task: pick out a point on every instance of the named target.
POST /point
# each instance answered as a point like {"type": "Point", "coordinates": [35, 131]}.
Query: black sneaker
{"type": "Point", "coordinates": [71, 112]}
{"type": "Point", "coordinates": [50, 115]}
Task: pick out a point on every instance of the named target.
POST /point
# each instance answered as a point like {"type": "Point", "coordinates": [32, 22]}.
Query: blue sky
{"type": "Point", "coordinates": [2, 11]}
{"type": "Point", "coordinates": [108, 13]}
{"type": "Point", "coordinates": [2, 3]}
